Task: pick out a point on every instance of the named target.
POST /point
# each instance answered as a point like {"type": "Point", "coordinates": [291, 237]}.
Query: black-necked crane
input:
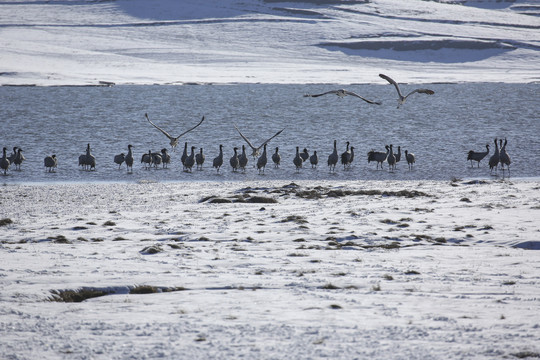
{"type": "Point", "coordinates": [504, 158]}
{"type": "Point", "coordinates": [119, 159]}
{"type": "Point", "coordinates": [262, 160]}
{"type": "Point", "coordinates": [276, 158]}
{"type": "Point", "coordinates": [87, 160]}
{"type": "Point", "coordinates": [256, 149]}
{"type": "Point", "coordinates": [411, 159]}
{"type": "Point", "coordinates": [218, 160]}
{"type": "Point", "coordinates": [156, 159]}
{"type": "Point", "coordinates": [165, 157]}
{"type": "Point", "coordinates": [190, 160]}
{"type": "Point", "coordinates": [346, 156]}
{"type": "Point", "coordinates": [477, 155]}
{"type": "Point", "coordinates": [50, 163]}
{"type": "Point", "coordinates": [378, 157]}
{"type": "Point", "coordinates": [13, 155]}
{"type": "Point", "coordinates": [494, 159]}
{"type": "Point", "coordinates": [173, 139]}
{"type": "Point", "coordinates": [391, 158]}
{"type": "Point", "coordinates": [401, 98]}
{"type": "Point", "coordinates": [398, 155]}
{"type": "Point", "coordinates": [341, 93]}
{"type": "Point", "coordinates": [314, 159]}
{"type": "Point", "coordinates": [184, 156]}
{"type": "Point", "coordinates": [4, 161]}
{"type": "Point", "coordinates": [129, 159]}
{"type": "Point", "coordinates": [333, 158]}
{"type": "Point", "coordinates": [234, 161]}
{"type": "Point", "coordinates": [243, 159]}
{"type": "Point", "coordinates": [146, 159]}
{"type": "Point", "coordinates": [19, 158]}
{"type": "Point", "coordinates": [199, 159]}
{"type": "Point", "coordinates": [297, 161]}
{"type": "Point", "coordinates": [304, 154]}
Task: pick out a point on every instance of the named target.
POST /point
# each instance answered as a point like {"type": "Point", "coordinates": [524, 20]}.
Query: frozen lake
{"type": "Point", "coordinates": [438, 129]}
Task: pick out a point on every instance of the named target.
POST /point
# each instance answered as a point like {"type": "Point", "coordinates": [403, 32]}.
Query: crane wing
{"type": "Point", "coordinates": [276, 134]}
{"type": "Point", "coordinates": [391, 81]}
{"type": "Point", "coordinates": [160, 129]}
{"type": "Point", "coordinates": [325, 93]}
{"type": "Point", "coordinates": [193, 128]}
{"type": "Point", "coordinates": [246, 139]}
{"type": "Point", "coordinates": [366, 100]}
{"type": "Point", "coordinates": [421, 91]}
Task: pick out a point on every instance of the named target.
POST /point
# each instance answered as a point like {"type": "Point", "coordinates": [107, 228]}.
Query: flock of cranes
{"type": "Point", "coordinates": [401, 99]}
{"type": "Point", "coordinates": [391, 158]}
{"type": "Point", "coordinates": [499, 157]}
{"type": "Point", "coordinates": [15, 158]}
{"type": "Point", "coordinates": [239, 161]}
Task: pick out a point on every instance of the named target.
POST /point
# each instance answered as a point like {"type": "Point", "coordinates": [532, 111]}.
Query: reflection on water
{"type": "Point", "coordinates": [439, 129]}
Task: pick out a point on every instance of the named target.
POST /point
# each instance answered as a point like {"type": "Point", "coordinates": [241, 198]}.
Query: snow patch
{"type": "Point", "coordinates": [171, 42]}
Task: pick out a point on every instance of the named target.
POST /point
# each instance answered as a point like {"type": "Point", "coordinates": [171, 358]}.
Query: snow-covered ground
{"type": "Point", "coordinates": [81, 42]}
{"type": "Point", "coordinates": [270, 269]}
{"type": "Point", "coordinates": [275, 270]}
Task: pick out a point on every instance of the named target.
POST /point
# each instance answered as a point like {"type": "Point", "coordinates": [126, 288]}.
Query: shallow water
{"type": "Point", "coordinates": [438, 129]}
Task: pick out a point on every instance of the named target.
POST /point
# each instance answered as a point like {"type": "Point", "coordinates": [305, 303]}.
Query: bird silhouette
{"type": "Point", "coordinates": [342, 93]}
{"type": "Point", "coordinates": [255, 149]}
{"type": "Point", "coordinates": [401, 98]}
{"type": "Point", "coordinates": [173, 140]}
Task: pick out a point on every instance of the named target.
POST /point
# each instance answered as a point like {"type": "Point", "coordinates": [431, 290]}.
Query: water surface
{"type": "Point", "coordinates": [438, 129]}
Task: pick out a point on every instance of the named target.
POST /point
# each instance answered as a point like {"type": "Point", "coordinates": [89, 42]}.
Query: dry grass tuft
{"type": "Point", "coordinates": [85, 293]}
{"type": "Point", "coordinates": [152, 249]}
{"type": "Point", "coordinates": [76, 295]}
{"type": "Point", "coordinates": [295, 218]}
{"type": "Point", "coordinates": [6, 221]}
{"type": "Point", "coordinates": [60, 239]}
{"type": "Point", "coordinates": [329, 286]}
{"type": "Point", "coordinates": [526, 354]}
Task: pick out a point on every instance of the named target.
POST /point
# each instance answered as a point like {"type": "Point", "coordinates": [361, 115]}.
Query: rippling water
{"type": "Point", "coordinates": [438, 129]}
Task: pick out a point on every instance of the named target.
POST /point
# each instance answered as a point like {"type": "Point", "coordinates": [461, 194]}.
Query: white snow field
{"type": "Point", "coordinates": [271, 270]}
{"type": "Point", "coordinates": [78, 42]}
